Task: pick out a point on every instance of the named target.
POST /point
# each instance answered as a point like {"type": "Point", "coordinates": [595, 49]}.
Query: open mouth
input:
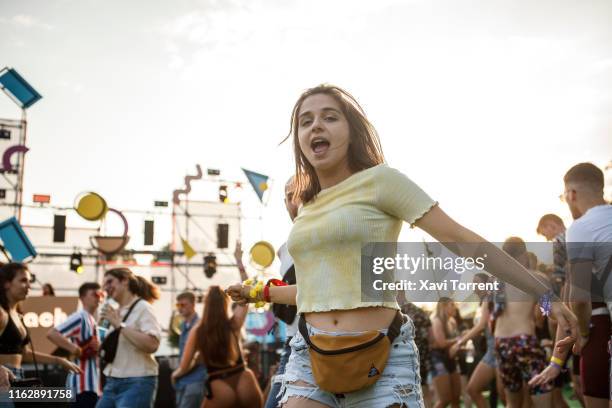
{"type": "Point", "coordinates": [319, 145]}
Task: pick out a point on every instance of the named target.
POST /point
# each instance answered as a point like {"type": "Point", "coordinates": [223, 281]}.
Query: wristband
{"type": "Point", "coordinates": [557, 361]}
{"type": "Point", "coordinates": [256, 292]}
{"type": "Point", "coordinates": [553, 364]}
{"type": "Point", "coordinates": [271, 282]}
{"type": "Point", "coordinates": [266, 294]}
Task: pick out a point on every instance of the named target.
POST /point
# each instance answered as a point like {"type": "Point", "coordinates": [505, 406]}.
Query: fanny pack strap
{"type": "Point", "coordinates": [392, 332]}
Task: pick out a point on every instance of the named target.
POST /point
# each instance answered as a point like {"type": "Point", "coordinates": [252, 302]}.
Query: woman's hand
{"type": "Point", "coordinates": [454, 349]}
{"type": "Point", "coordinates": [175, 376]}
{"type": "Point", "coordinates": [6, 376]}
{"type": "Point", "coordinates": [239, 293]}
{"type": "Point", "coordinates": [238, 252]}
{"type": "Point", "coordinates": [111, 315]}
{"type": "Point", "coordinates": [549, 374]}
{"type": "Point", "coordinates": [68, 366]}
{"type": "Point", "coordinates": [567, 322]}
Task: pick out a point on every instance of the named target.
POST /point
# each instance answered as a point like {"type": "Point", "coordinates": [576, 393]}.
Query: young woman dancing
{"type": "Point", "coordinates": [446, 377]}
{"type": "Point", "coordinates": [351, 197]}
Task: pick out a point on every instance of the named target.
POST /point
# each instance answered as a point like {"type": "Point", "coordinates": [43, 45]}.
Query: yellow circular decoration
{"type": "Point", "coordinates": [263, 186]}
{"type": "Point", "coordinates": [91, 206]}
{"type": "Point", "coordinates": [262, 254]}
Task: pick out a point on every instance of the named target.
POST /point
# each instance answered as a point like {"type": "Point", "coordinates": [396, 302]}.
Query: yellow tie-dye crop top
{"type": "Point", "coordinates": [329, 232]}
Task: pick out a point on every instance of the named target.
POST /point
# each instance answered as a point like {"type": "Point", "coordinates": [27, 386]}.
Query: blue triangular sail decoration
{"type": "Point", "coordinates": [258, 181]}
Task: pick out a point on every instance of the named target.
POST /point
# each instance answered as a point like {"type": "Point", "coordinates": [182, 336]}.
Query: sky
{"type": "Point", "coordinates": [485, 104]}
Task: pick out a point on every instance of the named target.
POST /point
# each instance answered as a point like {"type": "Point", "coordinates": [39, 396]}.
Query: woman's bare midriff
{"type": "Point", "coordinates": [10, 359]}
{"type": "Point", "coordinates": [354, 320]}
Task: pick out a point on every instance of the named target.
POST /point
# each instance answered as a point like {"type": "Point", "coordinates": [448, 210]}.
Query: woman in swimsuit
{"type": "Point", "coordinates": [230, 383]}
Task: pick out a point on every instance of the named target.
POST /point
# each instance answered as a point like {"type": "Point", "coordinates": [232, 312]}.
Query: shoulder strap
{"type": "Point", "coordinates": [131, 308]}
{"type": "Point", "coordinates": [393, 331]}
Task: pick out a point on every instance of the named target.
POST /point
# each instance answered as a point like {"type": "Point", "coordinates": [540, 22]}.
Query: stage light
{"type": "Point", "coordinates": [76, 263]}
{"type": "Point", "coordinates": [210, 265]}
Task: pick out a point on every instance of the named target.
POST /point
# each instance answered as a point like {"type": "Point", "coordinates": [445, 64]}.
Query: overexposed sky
{"type": "Point", "coordinates": [483, 103]}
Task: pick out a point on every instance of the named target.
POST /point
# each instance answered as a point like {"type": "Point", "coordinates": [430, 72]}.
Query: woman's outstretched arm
{"type": "Point", "coordinates": [466, 243]}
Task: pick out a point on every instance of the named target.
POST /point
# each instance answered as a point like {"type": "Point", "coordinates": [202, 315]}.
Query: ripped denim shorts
{"type": "Point", "coordinates": [400, 382]}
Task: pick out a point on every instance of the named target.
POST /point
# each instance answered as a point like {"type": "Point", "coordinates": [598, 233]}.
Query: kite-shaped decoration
{"type": "Point", "coordinates": [258, 181]}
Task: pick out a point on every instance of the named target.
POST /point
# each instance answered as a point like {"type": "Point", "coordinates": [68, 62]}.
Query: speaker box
{"type": "Point", "coordinates": [59, 228]}
{"type": "Point", "coordinates": [148, 232]}
{"type": "Point", "coordinates": [222, 235]}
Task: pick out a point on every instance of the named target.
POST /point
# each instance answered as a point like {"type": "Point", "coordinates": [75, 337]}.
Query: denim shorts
{"type": "Point", "coordinates": [489, 358]}
{"type": "Point", "coordinates": [400, 382]}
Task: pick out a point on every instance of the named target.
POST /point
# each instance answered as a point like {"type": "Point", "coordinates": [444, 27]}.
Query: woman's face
{"type": "Point", "coordinates": [114, 287]}
{"type": "Point", "coordinates": [17, 289]}
{"type": "Point", "coordinates": [451, 309]}
{"type": "Point", "coordinates": [323, 133]}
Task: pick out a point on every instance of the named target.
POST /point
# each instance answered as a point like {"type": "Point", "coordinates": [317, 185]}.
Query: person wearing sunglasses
{"type": "Point", "coordinates": [78, 335]}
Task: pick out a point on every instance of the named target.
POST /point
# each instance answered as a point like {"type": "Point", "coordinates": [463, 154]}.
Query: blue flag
{"type": "Point", "coordinates": [258, 181]}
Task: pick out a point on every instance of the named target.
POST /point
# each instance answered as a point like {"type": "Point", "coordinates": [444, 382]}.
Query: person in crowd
{"type": "Point", "coordinates": [589, 251]}
{"type": "Point", "coordinates": [484, 373]}
{"type": "Point", "coordinates": [519, 354]}
{"type": "Point", "coordinates": [422, 335]}
{"type": "Point", "coordinates": [461, 355]}
{"type": "Point", "coordinates": [230, 383]}
{"type": "Point", "coordinates": [552, 227]}
{"type": "Point", "coordinates": [444, 367]}
{"type": "Point", "coordinates": [78, 335]}
{"type": "Point", "coordinates": [47, 290]}
{"type": "Point", "coordinates": [351, 197]}
{"type": "Point", "coordinates": [131, 378]}
{"type": "Point", "coordinates": [190, 386]}
{"type": "Point", "coordinates": [286, 313]}
{"type": "Point", "coordinates": [15, 279]}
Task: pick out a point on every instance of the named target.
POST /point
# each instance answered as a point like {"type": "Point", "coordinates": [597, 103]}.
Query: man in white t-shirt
{"type": "Point", "coordinates": [589, 249]}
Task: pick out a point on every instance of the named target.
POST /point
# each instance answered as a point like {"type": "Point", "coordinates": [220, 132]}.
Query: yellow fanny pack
{"type": "Point", "coordinates": [343, 364]}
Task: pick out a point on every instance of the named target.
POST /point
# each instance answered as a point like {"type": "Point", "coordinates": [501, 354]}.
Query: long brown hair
{"type": "Point", "coordinates": [364, 149]}
{"type": "Point", "coordinates": [216, 341]}
{"type": "Point", "coordinates": [136, 284]}
{"type": "Point", "coordinates": [441, 313]}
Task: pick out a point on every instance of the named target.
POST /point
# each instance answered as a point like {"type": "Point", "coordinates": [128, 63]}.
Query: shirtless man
{"type": "Point", "coordinates": [519, 354]}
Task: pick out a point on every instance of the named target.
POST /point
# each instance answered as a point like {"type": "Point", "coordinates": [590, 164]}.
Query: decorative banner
{"type": "Point", "coordinates": [16, 241]}
{"type": "Point", "coordinates": [175, 197]}
{"type": "Point", "coordinates": [189, 251]}
{"type": "Point", "coordinates": [258, 181]}
{"type": "Point", "coordinates": [262, 254]}
{"type": "Point", "coordinates": [8, 153]}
